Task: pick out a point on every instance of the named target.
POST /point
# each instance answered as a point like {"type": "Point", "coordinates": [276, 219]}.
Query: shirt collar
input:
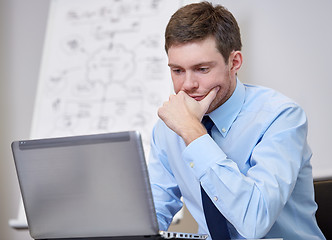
{"type": "Point", "coordinates": [224, 116]}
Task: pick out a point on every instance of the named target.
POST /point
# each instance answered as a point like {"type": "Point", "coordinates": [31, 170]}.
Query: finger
{"type": "Point", "coordinates": [205, 102]}
{"type": "Point", "coordinates": [171, 96]}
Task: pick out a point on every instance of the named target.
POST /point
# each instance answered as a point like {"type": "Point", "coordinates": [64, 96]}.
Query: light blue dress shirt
{"type": "Point", "coordinates": [256, 168]}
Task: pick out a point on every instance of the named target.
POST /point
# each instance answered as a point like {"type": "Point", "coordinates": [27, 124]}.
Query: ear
{"type": "Point", "coordinates": [235, 61]}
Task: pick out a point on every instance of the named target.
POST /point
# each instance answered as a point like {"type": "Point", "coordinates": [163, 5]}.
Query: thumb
{"type": "Point", "coordinates": [205, 103]}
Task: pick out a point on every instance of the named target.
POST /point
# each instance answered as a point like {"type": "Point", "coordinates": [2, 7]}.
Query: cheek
{"type": "Point", "coordinates": [221, 94]}
{"type": "Point", "coordinates": [177, 84]}
{"type": "Point", "coordinates": [223, 82]}
{"type": "Point", "coordinates": [176, 87]}
{"type": "Point", "coordinates": [218, 101]}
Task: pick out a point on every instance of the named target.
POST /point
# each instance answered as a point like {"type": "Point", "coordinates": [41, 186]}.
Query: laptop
{"type": "Point", "coordinates": [88, 187]}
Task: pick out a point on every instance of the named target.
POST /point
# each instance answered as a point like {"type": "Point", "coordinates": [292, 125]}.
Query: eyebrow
{"type": "Point", "coordinates": [212, 63]}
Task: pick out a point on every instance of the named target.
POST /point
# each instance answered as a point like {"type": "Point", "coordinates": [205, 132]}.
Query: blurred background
{"type": "Point", "coordinates": [286, 46]}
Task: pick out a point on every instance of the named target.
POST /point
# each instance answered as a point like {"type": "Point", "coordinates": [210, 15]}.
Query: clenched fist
{"type": "Point", "coordinates": [183, 114]}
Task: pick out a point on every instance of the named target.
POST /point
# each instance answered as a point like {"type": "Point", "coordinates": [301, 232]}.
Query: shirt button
{"type": "Point", "coordinates": [192, 164]}
{"type": "Point", "coordinates": [223, 130]}
{"type": "Point", "coordinates": [215, 198]}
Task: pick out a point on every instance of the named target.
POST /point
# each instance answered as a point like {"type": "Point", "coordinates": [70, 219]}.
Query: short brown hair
{"type": "Point", "coordinates": [197, 21]}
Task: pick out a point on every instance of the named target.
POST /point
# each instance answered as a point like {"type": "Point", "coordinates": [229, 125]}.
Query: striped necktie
{"type": "Point", "coordinates": [216, 222]}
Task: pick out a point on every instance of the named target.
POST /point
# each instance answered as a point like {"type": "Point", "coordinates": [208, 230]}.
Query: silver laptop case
{"type": "Point", "coordinates": [72, 187]}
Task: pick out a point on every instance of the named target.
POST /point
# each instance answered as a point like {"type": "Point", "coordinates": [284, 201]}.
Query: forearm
{"type": "Point", "coordinates": [246, 198]}
{"type": "Point", "coordinates": [166, 193]}
{"type": "Point", "coordinates": [192, 131]}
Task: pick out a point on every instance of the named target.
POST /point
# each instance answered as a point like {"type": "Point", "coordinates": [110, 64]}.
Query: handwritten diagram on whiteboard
{"type": "Point", "coordinates": [104, 67]}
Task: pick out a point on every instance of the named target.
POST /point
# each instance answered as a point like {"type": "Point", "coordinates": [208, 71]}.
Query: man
{"type": "Point", "coordinates": [254, 164]}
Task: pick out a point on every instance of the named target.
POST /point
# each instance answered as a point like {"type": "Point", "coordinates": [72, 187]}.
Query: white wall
{"type": "Point", "coordinates": [22, 26]}
{"type": "Point", "coordinates": [287, 46]}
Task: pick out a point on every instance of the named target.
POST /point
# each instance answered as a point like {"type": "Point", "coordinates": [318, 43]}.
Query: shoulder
{"type": "Point", "coordinates": [269, 107]}
{"type": "Point", "coordinates": [259, 98]}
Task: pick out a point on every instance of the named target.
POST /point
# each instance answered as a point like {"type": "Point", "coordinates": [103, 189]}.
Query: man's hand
{"type": "Point", "coordinates": [183, 114]}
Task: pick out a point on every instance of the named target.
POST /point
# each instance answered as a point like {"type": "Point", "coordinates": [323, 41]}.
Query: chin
{"type": "Point", "coordinates": [211, 108]}
{"type": "Point", "coordinates": [214, 105]}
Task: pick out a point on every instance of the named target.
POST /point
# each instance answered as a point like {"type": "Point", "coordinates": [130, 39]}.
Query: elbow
{"type": "Point", "coordinates": [254, 235]}
{"type": "Point", "coordinates": [256, 229]}
{"type": "Point", "coordinates": [256, 232]}
{"type": "Point", "coordinates": [255, 224]}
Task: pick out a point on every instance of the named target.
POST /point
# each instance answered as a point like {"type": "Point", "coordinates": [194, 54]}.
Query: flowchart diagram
{"type": "Point", "coordinates": [104, 67]}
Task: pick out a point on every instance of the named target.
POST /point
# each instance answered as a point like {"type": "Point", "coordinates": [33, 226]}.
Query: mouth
{"type": "Point", "coordinates": [198, 98]}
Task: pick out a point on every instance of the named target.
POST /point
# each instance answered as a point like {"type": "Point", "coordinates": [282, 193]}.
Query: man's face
{"type": "Point", "coordinates": [198, 67]}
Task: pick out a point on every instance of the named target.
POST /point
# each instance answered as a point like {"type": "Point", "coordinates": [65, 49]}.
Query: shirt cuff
{"type": "Point", "coordinates": [201, 154]}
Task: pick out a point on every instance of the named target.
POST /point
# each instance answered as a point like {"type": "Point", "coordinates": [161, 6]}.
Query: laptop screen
{"type": "Point", "coordinates": [85, 186]}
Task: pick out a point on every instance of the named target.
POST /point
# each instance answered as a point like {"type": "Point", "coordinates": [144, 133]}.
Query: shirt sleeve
{"type": "Point", "coordinates": [166, 193]}
{"type": "Point", "coordinates": [251, 201]}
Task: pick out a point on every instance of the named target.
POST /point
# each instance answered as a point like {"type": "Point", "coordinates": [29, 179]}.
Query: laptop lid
{"type": "Point", "coordinates": [85, 186]}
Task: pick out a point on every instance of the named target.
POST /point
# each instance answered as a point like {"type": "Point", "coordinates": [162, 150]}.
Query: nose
{"type": "Point", "coordinates": [190, 83]}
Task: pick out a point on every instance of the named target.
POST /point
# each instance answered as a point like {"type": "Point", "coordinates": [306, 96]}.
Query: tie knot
{"type": "Point", "coordinates": [208, 124]}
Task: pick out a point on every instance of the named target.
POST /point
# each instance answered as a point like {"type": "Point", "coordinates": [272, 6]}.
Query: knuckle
{"type": "Point", "coordinates": [171, 97]}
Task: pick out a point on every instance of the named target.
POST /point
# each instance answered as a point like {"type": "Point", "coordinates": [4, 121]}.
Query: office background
{"type": "Point", "coordinates": [286, 46]}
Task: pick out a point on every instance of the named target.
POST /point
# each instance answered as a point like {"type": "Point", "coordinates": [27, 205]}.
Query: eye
{"type": "Point", "coordinates": [177, 70]}
{"type": "Point", "coordinates": [203, 69]}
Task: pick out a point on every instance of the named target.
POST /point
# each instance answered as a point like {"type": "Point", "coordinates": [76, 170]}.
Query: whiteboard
{"type": "Point", "coordinates": [103, 69]}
